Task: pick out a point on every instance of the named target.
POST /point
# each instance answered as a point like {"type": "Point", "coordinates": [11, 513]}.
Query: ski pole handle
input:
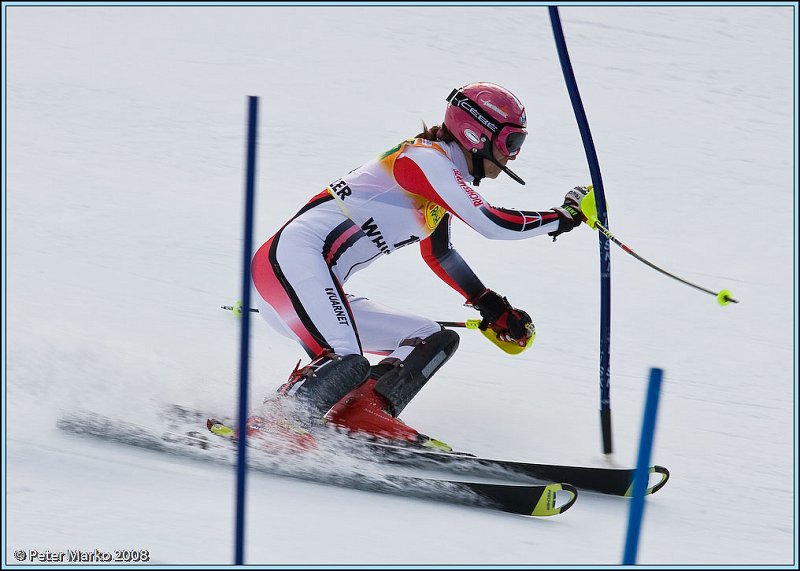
{"type": "Point", "coordinates": [723, 296]}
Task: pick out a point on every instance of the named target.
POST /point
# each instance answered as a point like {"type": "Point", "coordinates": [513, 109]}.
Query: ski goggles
{"type": "Point", "coordinates": [509, 139]}
{"type": "Point", "coordinates": [506, 137]}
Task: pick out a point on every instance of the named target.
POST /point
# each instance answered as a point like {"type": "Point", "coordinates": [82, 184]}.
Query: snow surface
{"type": "Point", "coordinates": [123, 201]}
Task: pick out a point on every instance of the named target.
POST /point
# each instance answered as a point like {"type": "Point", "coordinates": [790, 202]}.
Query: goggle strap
{"type": "Point", "coordinates": [458, 99]}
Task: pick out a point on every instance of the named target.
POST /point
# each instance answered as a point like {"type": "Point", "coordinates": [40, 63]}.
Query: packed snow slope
{"type": "Point", "coordinates": [125, 132]}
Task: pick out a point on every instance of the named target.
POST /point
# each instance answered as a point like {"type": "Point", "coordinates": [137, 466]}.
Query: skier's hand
{"type": "Point", "coordinates": [510, 324]}
{"type": "Point", "coordinates": [577, 202]}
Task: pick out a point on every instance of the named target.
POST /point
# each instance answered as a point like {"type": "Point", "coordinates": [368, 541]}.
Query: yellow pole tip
{"type": "Point", "coordinates": [725, 297]}
{"type": "Point", "coordinates": [237, 309]}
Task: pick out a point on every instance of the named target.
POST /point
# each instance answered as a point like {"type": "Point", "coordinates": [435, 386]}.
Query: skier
{"type": "Point", "coordinates": [408, 194]}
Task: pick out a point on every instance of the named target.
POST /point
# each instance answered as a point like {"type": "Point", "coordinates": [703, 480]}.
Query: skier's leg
{"type": "Point", "coordinates": [400, 381]}
{"type": "Point", "coordinates": [420, 348]}
{"type": "Point", "coordinates": [300, 296]}
{"type": "Point", "coordinates": [382, 329]}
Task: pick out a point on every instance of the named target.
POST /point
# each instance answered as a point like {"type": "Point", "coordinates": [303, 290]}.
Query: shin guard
{"type": "Point", "coordinates": [401, 383]}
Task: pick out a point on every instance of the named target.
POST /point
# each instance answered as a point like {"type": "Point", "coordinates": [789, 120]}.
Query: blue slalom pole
{"type": "Point", "coordinates": [642, 473]}
{"type": "Point", "coordinates": [241, 465]}
{"type": "Point", "coordinates": [605, 244]}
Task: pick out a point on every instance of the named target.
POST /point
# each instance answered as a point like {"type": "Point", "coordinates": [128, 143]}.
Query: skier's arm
{"type": "Point", "coordinates": [510, 325]}
{"type": "Point", "coordinates": [447, 263]}
{"type": "Point", "coordinates": [432, 176]}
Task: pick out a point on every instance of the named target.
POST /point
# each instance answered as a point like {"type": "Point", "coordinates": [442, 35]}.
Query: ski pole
{"type": "Point", "coordinates": [237, 309]}
{"type": "Point", "coordinates": [469, 323]}
{"type": "Point", "coordinates": [510, 347]}
{"type": "Point", "coordinates": [723, 296]}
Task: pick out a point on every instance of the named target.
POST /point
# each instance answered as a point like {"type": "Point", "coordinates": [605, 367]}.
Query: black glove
{"type": "Point", "coordinates": [510, 324]}
{"type": "Point", "coordinates": [569, 213]}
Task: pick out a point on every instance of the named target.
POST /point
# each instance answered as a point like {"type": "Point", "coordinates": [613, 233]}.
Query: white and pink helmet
{"type": "Point", "coordinates": [480, 113]}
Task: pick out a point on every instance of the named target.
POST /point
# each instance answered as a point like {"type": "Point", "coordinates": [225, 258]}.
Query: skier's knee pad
{"type": "Point", "coordinates": [335, 376]}
{"type": "Point", "coordinates": [402, 382]}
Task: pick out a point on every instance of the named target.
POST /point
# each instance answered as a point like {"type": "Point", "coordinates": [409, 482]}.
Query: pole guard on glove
{"type": "Point", "coordinates": [509, 328]}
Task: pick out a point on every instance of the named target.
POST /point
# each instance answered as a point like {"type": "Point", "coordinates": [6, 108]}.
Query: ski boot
{"type": "Point", "coordinates": [373, 407]}
{"type": "Point", "coordinates": [286, 421]}
{"type": "Point", "coordinates": [364, 413]}
{"type": "Point", "coordinates": [322, 383]}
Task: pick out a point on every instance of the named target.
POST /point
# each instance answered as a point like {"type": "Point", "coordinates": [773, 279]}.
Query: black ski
{"type": "Point", "coordinates": [523, 499]}
{"type": "Point", "coordinates": [613, 481]}
{"type": "Point", "coordinates": [529, 499]}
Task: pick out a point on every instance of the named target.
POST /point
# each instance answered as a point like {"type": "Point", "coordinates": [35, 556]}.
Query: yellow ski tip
{"type": "Point", "coordinates": [659, 482]}
{"type": "Point", "coordinates": [221, 430]}
{"type": "Point", "coordinates": [556, 499]}
{"type": "Point", "coordinates": [437, 445]}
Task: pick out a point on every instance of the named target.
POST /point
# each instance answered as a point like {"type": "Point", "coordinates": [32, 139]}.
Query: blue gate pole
{"type": "Point", "coordinates": [642, 474]}
{"type": "Point", "coordinates": [241, 464]}
{"type": "Point", "coordinates": [605, 244]}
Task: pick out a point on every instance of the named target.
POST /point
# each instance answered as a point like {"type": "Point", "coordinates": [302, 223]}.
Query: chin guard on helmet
{"type": "Point", "coordinates": [478, 171]}
{"type": "Point", "coordinates": [477, 168]}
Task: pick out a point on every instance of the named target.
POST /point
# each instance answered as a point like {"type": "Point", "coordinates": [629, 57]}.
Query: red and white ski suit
{"type": "Point", "coordinates": [409, 194]}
